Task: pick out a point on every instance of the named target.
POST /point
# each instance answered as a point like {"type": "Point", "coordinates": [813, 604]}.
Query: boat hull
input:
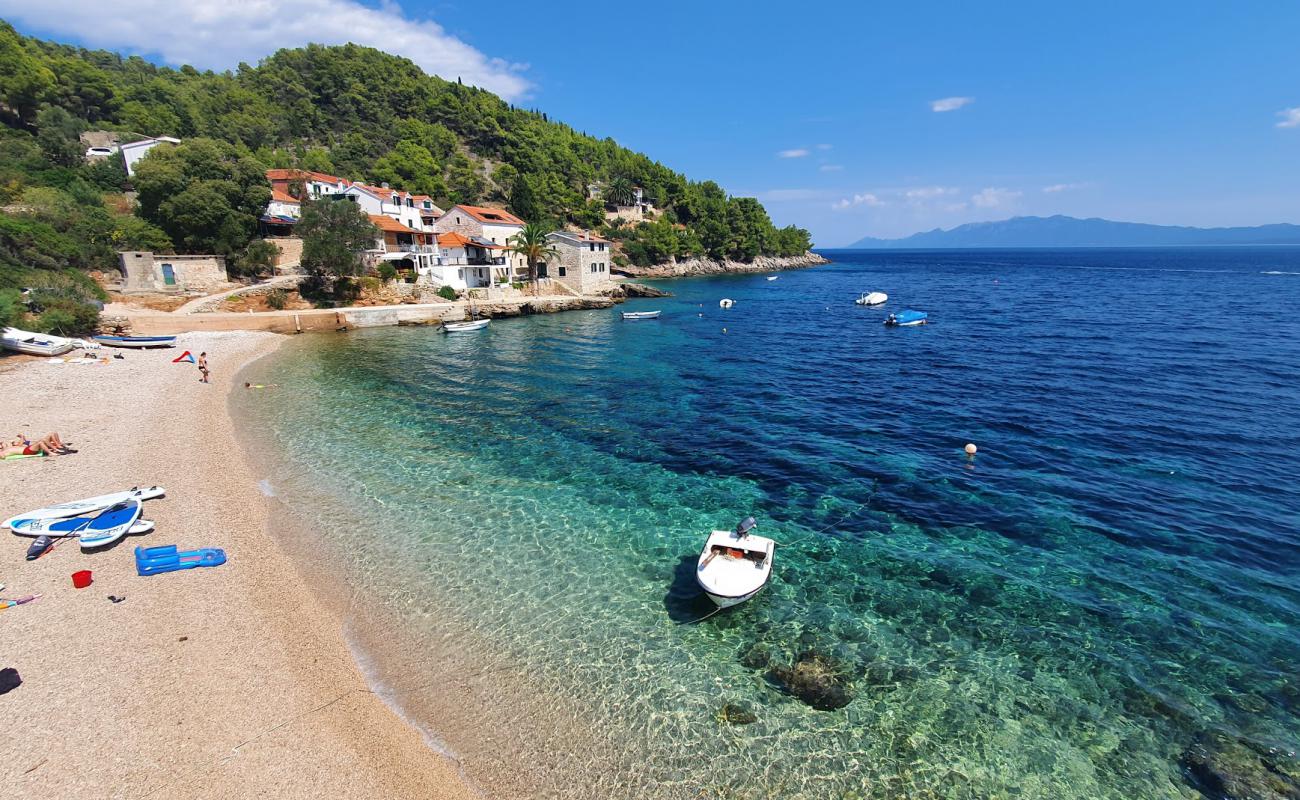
{"type": "Point", "coordinates": [722, 601]}
{"type": "Point", "coordinates": [641, 314]}
{"type": "Point", "coordinates": [465, 327]}
{"type": "Point", "coordinates": [35, 344]}
{"type": "Point", "coordinates": [136, 341]}
{"type": "Point", "coordinates": [733, 568]}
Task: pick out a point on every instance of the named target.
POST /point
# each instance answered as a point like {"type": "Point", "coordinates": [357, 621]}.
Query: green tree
{"type": "Point", "coordinates": [204, 194]}
{"type": "Point", "coordinates": [411, 167]}
{"type": "Point", "coordinates": [25, 82]}
{"type": "Point", "coordinates": [11, 308]}
{"type": "Point", "coordinates": [58, 134]}
{"type": "Point", "coordinates": [334, 234]}
{"type": "Point", "coordinates": [532, 243]}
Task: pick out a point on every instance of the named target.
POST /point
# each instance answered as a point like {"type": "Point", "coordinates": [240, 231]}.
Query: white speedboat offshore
{"type": "Point", "coordinates": [871, 298]}
{"type": "Point", "coordinates": [735, 565]}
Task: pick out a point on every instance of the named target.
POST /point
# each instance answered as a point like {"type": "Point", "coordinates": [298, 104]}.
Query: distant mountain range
{"type": "Point", "coordinates": [1062, 231]}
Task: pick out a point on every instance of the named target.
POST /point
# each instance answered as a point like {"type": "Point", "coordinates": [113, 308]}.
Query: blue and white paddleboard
{"type": "Point", "coordinates": [110, 525]}
{"type": "Point", "coordinates": [60, 528]}
{"type": "Point", "coordinates": [33, 522]}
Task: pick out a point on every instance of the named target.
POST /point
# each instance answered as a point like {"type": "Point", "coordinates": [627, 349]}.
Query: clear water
{"type": "Point", "coordinates": [1102, 603]}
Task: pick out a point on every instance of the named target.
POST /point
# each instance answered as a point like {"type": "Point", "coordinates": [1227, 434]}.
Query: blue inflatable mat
{"type": "Point", "coordinates": [155, 560]}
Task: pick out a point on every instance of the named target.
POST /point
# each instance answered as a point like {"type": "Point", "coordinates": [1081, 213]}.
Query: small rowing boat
{"type": "Point", "coordinates": [465, 327]}
{"type": "Point", "coordinates": [871, 298]}
{"type": "Point", "coordinates": [735, 565]}
{"type": "Point", "coordinates": [905, 318]}
{"type": "Point", "coordinates": [641, 314]}
{"type": "Point", "coordinates": [35, 344]}
{"type": "Point", "coordinates": [137, 341]}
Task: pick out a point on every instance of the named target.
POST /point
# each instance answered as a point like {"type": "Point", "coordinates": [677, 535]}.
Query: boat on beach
{"type": "Point", "coordinates": [905, 318]}
{"type": "Point", "coordinates": [641, 314]}
{"type": "Point", "coordinates": [136, 341]}
{"type": "Point", "coordinates": [735, 565]}
{"type": "Point", "coordinates": [465, 327]}
{"type": "Point", "coordinates": [871, 298]}
{"type": "Point", "coordinates": [35, 344]}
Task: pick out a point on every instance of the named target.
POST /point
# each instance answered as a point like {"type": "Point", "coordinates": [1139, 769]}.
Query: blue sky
{"type": "Point", "coordinates": [1158, 112]}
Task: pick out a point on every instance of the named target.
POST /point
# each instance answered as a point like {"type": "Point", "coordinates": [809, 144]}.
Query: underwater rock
{"type": "Point", "coordinates": [1222, 768]}
{"type": "Point", "coordinates": [757, 656]}
{"type": "Point", "coordinates": [816, 679]}
{"type": "Point", "coordinates": [736, 714]}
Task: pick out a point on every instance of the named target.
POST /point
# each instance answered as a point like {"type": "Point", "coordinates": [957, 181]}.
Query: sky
{"type": "Point", "coordinates": [846, 118]}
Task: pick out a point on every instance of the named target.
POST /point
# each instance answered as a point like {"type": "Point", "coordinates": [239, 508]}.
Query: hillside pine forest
{"type": "Point", "coordinates": [351, 111]}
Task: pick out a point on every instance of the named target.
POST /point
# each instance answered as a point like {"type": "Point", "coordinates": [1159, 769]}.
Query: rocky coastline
{"type": "Point", "coordinates": [709, 266]}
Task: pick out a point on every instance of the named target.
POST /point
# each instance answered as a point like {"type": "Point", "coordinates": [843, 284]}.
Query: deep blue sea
{"type": "Point", "coordinates": [1104, 602]}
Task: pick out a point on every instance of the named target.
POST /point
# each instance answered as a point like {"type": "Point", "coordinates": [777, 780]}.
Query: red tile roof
{"type": "Point", "coordinates": [494, 216]}
{"type": "Point", "coordinates": [299, 175]}
{"type": "Point", "coordinates": [390, 225]}
{"type": "Point", "coordinates": [283, 197]}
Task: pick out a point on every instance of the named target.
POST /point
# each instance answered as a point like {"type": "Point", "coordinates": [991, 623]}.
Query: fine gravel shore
{"type": "Point", "coordinates": [226, 682]}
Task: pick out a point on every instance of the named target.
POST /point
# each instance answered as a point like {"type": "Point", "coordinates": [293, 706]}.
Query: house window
{"type": "Point", "coordinates": [460, 273]}
{"type": "Point", "coordinates": [457, 220]}
{"type": "Point", "coordinates": [563, 273]}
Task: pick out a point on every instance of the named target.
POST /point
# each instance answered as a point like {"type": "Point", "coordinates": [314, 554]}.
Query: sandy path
{"type": "Point", "coordinates": [229, 682]}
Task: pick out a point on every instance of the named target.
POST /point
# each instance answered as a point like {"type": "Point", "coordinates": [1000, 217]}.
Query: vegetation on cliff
{"type": "Point", "coordinates": [351, 111]}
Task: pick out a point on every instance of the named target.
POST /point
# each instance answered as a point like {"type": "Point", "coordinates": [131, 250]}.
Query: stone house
{"type": "Point", "coordinates": [143, 271]}
{"type": "Point", "coordinates": [583, 260]}
{"type": "Point", "coordinates": [489, 226]}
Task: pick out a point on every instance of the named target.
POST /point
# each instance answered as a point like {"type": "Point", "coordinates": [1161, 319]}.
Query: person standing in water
{"type": "Point", "coordinates": [203, 366]}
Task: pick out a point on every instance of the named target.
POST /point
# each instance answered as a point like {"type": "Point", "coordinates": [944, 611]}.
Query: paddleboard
{"type": "Point", "coordinates": [22, 523]}
{"type": "Point", "coordinates": [59, 528]}
{"type": "Point", "coordinates": [111, 524]}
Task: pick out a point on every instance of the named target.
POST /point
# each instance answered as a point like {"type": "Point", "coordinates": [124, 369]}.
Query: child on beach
{"type": "Point", "coordinates": [203, 366]}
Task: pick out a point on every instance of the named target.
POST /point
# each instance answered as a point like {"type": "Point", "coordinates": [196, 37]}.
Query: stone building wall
{"type": "Point", "coordinates": [584, 269]}
{"type": "Point", "coordinates": [146, 272]}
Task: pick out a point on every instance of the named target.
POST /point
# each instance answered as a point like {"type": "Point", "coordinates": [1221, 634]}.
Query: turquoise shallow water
{"type": "Point", "coordinates": [1102, 603]}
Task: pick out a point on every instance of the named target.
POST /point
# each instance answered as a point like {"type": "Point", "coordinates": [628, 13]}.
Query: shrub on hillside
{"type": "Point", "coordinates": [277, 298]}
{"type": "Point", "coordinates": [386, 271]}
{"type": "Point", "coordinates": [446, 293]}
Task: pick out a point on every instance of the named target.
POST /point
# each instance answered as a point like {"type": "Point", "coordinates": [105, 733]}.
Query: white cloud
{"type": "Point", "coordinates": [218, 34]}
{"type": "Point", "coordinates": [993, 198]}
{"type": "Point", "coordinates": [950, 103]}
{"type": "Point", "coordinates": [830, 167]}
{"type": "Point", "coordinates": [1290, 117]}
{"type": "Point", "coordinates": [1062, 187]}
{"type": "Point", "coordinates": [797, 152]}
{"type": "Point", "coordinates": [865, 199]}
{"type": "Point", "coordinates": [929, 192]}
{"type": "Point", "coordinates": [823, 147]}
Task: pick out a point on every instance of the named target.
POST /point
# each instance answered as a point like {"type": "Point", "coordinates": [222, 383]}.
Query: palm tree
{"type": "Point", "coordinates": [620, 191]}
{"type": "Point", "coordinates": [532, 244]}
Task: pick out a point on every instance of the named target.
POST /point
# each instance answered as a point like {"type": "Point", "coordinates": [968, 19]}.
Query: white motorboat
{"type": "Point", "coordinates": [641, 314]}
{"type": "Point", "coordinates": [726, 302]}
{"type": "Point", "coordinates": [35, 344]}
{"type": "Point", "coordinates": [465, 327]}
{"type": "Point", "coordinates": [773, 277]}
{"type": "Point", "coordinates": [735, 565]}
{"type": "Point", "coordinates": [871, 298]}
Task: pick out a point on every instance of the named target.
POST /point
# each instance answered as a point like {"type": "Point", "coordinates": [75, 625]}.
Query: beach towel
{"type": "Point", "coordinates": [186, 356]}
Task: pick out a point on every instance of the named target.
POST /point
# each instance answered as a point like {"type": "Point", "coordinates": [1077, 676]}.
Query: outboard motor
{"type": "Point", "coordinates": [747, 525]}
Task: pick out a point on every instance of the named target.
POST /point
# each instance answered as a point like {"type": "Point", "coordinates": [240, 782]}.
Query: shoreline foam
{"type": "Point", "coordinates": [233, 681]}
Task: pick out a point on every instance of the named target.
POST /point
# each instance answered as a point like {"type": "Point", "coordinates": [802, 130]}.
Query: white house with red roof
{"type": "Point", "coordinates": [491, 229]}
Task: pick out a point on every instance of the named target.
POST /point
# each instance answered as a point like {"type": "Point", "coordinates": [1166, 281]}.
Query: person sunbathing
{"type": "Point", "coordinates": [51, 445]}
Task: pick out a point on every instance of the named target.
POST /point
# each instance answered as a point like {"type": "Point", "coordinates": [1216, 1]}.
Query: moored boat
{"type": "Point", "coordinates": [137, 341]}
{"type": "Point", "coordinates": [35, 344]}
{"type": "Point", "coordinates": [904, 318]}
{"type": "Point", "coordinates": [641, 314]}
{"type": "Point", "coordinates": [773, 277]}
{"type": "Point", "coordinates": [465, 327]}
{"type": "Point", "coordinates": [871, 298]}
{"type": "Point", "coordinates": [735, 565]}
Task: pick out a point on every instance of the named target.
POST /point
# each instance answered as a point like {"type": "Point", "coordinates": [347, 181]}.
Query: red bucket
{"type": "Point", "coordinates": [81, 579]}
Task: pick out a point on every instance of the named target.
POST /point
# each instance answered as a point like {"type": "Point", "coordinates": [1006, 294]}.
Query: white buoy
{"type": "Point", "coordinates": [971, 449]}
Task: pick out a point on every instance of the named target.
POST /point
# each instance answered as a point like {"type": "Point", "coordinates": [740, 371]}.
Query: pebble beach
{"type": "Point", "coordinates": [232, 681]}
